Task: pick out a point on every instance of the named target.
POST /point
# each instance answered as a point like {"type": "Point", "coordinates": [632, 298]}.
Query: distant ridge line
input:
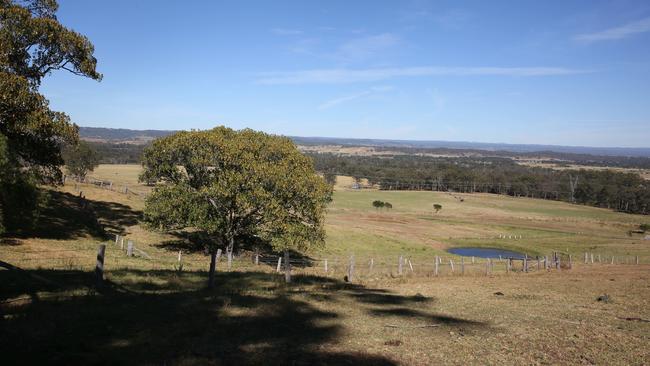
{"type": "Point", "coordinates": [117, 135]}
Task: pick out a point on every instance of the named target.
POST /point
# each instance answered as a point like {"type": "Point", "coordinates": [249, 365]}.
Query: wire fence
{"type": "Point", "coordinates": [123, 254]}
{"type": "Point", "coordinates": [119, 187]}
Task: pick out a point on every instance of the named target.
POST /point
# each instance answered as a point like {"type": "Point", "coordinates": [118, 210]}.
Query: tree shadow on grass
{"type": "Point", "coordinates": [162, 317]}
{"type": "Point", "coordinates": [64, 216]}
{"type": "Point", "coordinates": [194, 242]}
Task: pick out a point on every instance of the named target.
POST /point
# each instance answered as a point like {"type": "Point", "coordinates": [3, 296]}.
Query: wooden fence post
{"type": "Point", "coordinates": [526, 263]}
{"type": "Point", "coordinates": [462, 266]}
{"type": "Point", "coordinates": [637, 259]}
{"type": "Point", "coordinates": [371, 265]}
{"type": "Point", "coordinates": [599, 261]}
{"type": "Point", "coordinates": [539, 264]}
{"type": "Point", "coordinates": [122, 243]}
{"type": "Point", "coordinates": [129, 249]}
{"type": "Point", "coordinates": [325, 264]}
{"type": "Point", "coordinates": [472, 260]}
{"type": "Point", "coordinates": [508, 260]}
{"type": "Point", "coordinates": [279, 264]}
{"type": "Point", "coordinates": [219, 252]}
{"type": "Point", "coordinates": [585, 257]}
{"type": "Point", "coordinates": [229, 259]}
{"type": "Point", "coordinates": [570, 262]}
{"type": "Point", "coordinates": [399, 265]}
{"type": "Point", "coordinates": [180, 256]}
{"type": "Point", "coordinates": [351, 269]}
{"type": "Point", "coordinates": [99, 267]}
{"type": "Point", "coordinates": [558, 264]}
{"type": "Point", "coordinates": [451, 264]}
{"type": "Point", "coordinates": [257, 258]}
{"type": "Point", "coordinates": [117, 238]}
{"type": "Point", "coordinates": [612, 259]}
{"type": "Point", "coordinates": [592, 258]}
{"type": "Point", "coordinates": [410, 265]}
{"type": "Point", "coordinates": [435, 266]}
{"type": "Point", "coordinates": [287, 267]}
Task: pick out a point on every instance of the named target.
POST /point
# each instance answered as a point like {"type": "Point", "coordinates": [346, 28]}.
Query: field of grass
{"type": "Point", "coordinates": [150, 312]}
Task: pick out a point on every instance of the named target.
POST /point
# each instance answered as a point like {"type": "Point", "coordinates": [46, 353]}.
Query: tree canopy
{"type": "Point", "coordinates": [229, 184]}
{"type": "Point", "coordinates": [80, 159]}
{"type": "Point", "coordinates": [33, 44]}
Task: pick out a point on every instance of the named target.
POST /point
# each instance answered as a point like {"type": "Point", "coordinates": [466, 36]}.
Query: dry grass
{"type": "Point", "coordinates": [252, 317]}
{"type": "Point", "coordinates": [644, 173]}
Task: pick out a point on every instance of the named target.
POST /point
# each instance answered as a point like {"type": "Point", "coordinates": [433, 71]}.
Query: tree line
{"type": "Point", "coordinates": [626, 192]}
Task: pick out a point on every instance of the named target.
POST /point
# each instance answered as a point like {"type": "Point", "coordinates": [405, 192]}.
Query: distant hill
{"type": "Point", "coordinates": [140, 137]}
{"type": "Point", "coordinates": [120, 135]}
{"type": "Point", "coordinates": [484, 146]}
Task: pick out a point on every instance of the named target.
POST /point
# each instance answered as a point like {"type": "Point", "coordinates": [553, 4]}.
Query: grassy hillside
{"type": "Point", "coordinates": [412, 228]}
{"type": "Point", "coordinates": [52, 313]}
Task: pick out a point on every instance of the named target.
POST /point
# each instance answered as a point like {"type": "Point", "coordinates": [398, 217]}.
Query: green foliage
{"type": "Point", "coordinates": [644, 227]}
{"type": "Point", "coordinates": [229, 184]}
{"type": "Point", "coordinates": [378, 204]}
{"type": "Point", "coordinates": [33, 44]}
{"type": "Point", "coordinates": [19, 196]}
{"type": "Point", "coordinates": [388, 205]}
{"type": "Point", "coordinates": [80, 159]}
{"type": "Point", "coordinates": [437, 207]}
{"type": "Point", "coordinates": [122, 153]}
{"type": "Point", "coordinates": [330, 178]}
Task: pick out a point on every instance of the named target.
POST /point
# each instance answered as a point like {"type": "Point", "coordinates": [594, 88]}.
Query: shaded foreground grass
{"type": "Point", "coordinates": [250, 319]}
{"type": "Point", "coordinates": [161, 317]}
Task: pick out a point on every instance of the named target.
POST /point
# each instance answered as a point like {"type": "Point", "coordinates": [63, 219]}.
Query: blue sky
{"type": "Point", "coordinates": [550, 72]}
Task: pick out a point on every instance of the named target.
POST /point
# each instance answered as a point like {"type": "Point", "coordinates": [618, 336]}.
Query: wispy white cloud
{"type": "Point", "coordinates": [336, 101]}
{"type": "Point", "coordinates": [624, 31]}
{"type": "Point", "coordinates": [364, 47]}
{"type": "Point", "coordinates": [286, 32]}
{"type": "Point", "coordinates": [341, 76]}
{"type": "Point", "coordinates": [351, 50]}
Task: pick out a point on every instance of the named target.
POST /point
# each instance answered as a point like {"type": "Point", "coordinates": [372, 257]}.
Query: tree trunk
{"type": "Point", "coordinates": [213, 265]}
{"type": "Point", "coordinates": [287, 267]}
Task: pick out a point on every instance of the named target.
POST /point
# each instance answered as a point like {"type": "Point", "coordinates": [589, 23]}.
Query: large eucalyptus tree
{"type": "Point", "coordinates": [32, 45]}
{"type": "Point", "coordinates": [229, 184]}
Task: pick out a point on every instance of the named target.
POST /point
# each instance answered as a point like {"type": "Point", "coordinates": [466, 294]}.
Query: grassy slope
{"type": "Point", "coordinates": [253, 318]}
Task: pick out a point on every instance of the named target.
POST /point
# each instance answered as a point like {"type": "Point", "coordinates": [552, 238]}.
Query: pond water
{"type": "Point", "coordinates": [485, 252]}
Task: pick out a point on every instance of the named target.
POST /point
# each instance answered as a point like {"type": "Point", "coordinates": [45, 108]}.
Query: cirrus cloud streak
{"type": "Point", "coordinates": [342, 76]}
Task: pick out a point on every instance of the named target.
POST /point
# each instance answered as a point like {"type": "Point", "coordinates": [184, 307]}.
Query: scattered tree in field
{"type": "Point", "coordinates": [33, 44]}
{"type": "Point", "coordinates": [378, 204]}
{"type": "Point", "coordinates": [80, 159]}
{"type": "Point", "coordinates": [626, 192]}
{"type": "Point", "coordinates": [330, 178]}
{"type": "Point", "coordinates": [388, 205]}
{"type": "Point", "coordinates": [228, 184]}
{"type": "Point", "coordinates": [437, 207]}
